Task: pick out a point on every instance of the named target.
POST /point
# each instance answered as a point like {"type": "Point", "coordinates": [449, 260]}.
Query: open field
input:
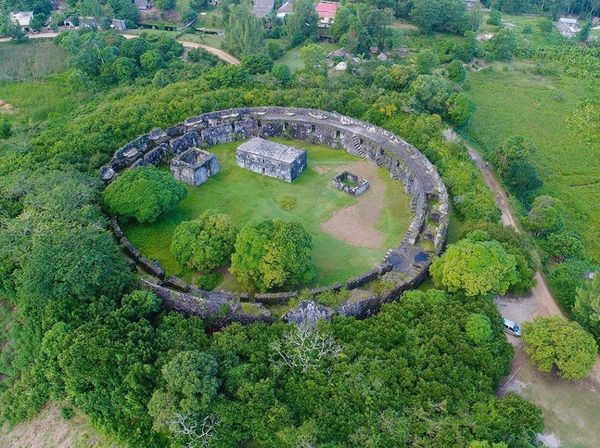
{"type": "Point", "coordinates": [250, 197]}
{"type": "Point", "coordinates": [291, 58]}
{"type": "Point", "coordinates": [511, 100]}
{"type": "Point", "coordinates": [30, 61]}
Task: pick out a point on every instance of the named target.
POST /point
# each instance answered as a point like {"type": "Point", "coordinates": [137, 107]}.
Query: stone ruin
{"type": "Point", "coordinates": [271, 159]}
{"type": "Point", "coordinates": [350, 183]}
{"type": "Point", "coordinates": [194, 166]}
{"type": "Point", "coordinates": [403, 267]}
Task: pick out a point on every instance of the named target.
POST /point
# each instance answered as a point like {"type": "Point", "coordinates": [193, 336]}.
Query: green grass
{"type": "Point", "coordinates": [513, 101]}
{"type": "Point", "coordinates": [249, 197]}
{"type": "Point", "coordinates": [33, 60]}
{"type": "Point", "coordinates": [291, 58]}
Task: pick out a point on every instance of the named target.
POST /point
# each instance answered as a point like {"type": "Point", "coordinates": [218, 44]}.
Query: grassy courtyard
{"type": "Point", "coordinates": [310, 199]}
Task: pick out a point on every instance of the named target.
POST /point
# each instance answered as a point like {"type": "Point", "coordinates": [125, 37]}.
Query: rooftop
{"type": "Point", "coordinates": [270, 150]}
{"type": "Point", "coordinates": [286, 8]}
{"type": "Point", "coordinates": [326, 9]}
{"type": "Point", "coordinates": [22, 18]}
{"type": "Point", "coordinates": [262, 7]}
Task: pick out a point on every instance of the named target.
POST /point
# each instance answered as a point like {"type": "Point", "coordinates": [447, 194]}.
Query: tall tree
{"type": "Point", "coordinates": [244, 33]}
{"type": "Point", "coordinates": [302, 24]}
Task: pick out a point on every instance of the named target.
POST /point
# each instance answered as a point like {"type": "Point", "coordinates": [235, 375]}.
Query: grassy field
{"type": "Point", "coordinates": [291, 58]}
{"type": "Point", "coordinates": [511, 100]}
{"type": "Point", "coordinates": [31, 61]}
{"type": "Point", "coordinates": [249, 197]}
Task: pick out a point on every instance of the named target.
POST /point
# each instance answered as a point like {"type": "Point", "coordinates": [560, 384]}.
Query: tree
{"type": "Point", "coordinates": [205, 243]}
{"type": "Point", "coordinates": [282, 73]}
{"type": "Point", "coordinates": [165, 5]}
{"type": "Point", "coordinates": [478, 328]}
{"type": "Point", "coordinates": [495, 18]}
{"type": "Point", "coordinates": [584, 32]}
{"type": "Point", "coordinates": [587, 305]}
{"type": "Point", "coordinates": [475, 268]}
{"type": "Point", "coordinates": [523, 181]}
{"type": "Point", "coordinates": [314, 58]}
{"type": "Point", "coordinates": [553, 343]}
{"type": "Point", "coordinates": [546, 26]}
{"type": "Point", "coordinates": [431, 93]}
{"type": "Point", "coordinates": [183, 405]}
{"type": "Point", "coordinates": [302, 23]}
{"type": "Point", "coordinates": [143, 193]}
{"type": "Point", "coordinates": [5, 129]}
{"type": "Point", "coordinates": [566, 244]}
{"type": "Point", "coordinates": [456, 71]}
{"type": "Point", "coordinates": [151, 61]}
{"type": "Point", "coordinates": [546, 216]}
{"type": "Point", "coordinates": [460, 108]}
{"type": "Point", "coordinates": [273, 254]}
{"type": "Point", "coordinates": [190, 16]}
{"type": "Point", "coordinates": [502, 46]}
{"type": "Point", "coordinates": [426, 62]}
{"type": "Point", "coordinates": [440, 15]}
{"type": "Point", "coordinates": [243, 31]}
{"type": "Point", "coordinates": [512, 150]}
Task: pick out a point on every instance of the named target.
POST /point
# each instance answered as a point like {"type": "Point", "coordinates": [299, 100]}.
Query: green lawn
{"type": "Point", "coordinates": [511, 100]}
{"type": "Point", "coordinates": [249, 197]}
{"type": "Point", "coordinates": [291, 58]}
{"type": "Point", "coordinates": [33, 60]}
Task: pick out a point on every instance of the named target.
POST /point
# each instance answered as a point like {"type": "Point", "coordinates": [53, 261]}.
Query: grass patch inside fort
{"type": "Point", "coordinates": [512, 100]}
{"type": "Point", "coordinates": [311, 200]}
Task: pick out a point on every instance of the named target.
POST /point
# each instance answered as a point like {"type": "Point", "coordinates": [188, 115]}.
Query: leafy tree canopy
{"type": "Point", "coordinates": [143, 193]}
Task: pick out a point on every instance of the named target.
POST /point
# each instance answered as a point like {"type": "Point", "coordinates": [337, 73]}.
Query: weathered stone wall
{"type": "Point", "coordinates": [403, 267]}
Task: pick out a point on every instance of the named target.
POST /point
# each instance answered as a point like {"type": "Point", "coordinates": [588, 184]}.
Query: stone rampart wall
{"type": "Point", "coordinates": [410, 260]}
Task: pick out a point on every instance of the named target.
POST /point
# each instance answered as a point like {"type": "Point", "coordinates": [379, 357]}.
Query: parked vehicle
{"type": "Point", "coordinates": [512, 327]}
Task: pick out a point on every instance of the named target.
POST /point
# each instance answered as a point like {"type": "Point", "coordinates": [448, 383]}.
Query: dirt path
{"type": "Point", "coordinates": [357, 224]}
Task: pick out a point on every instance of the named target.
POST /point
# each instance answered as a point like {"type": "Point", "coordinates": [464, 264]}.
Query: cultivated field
{"type": "Point", "coordinates": [350, 235]}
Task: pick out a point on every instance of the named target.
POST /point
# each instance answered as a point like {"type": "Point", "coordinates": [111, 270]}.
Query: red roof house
{"type": "Point", "coordinates": [326, 12]}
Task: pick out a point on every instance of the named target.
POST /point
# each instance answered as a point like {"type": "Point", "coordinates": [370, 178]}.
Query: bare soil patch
{"type": "Point", "coordinates": [357, 224]}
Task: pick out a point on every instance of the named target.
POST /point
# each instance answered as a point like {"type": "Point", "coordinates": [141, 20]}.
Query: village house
{"type": "Point", "coordinates": [567, 26]}
{"type": "Point", "coordinates": [271, 159]}
{"type": "Point", "coordinates": [22, 19]}
{"type": "Point", "coordinates": [118, 25]}
{"type": "Point", "coordinates": [142, 5]}
{"type": "Point", "coordinates": [326, 11]}
{"type": "Point", "coordinates": [285, 9]}
{"type": "Point", "coordinates": [262, 8]}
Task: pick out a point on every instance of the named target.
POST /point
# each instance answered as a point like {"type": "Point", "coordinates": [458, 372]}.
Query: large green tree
{"type": "Point", "coordinates": [475, 268]}
{"type": "Point", "coordinates": [302, 23]}
{"type": "Point", "coordinates": [143, 193]}
{"type": "Point", "coordinates": [546, 216]}
{"type": "Point", "coordinates": [553, 343]}
{"type": "Point", "coordinates": [273, 254]}
{"type": "Point", "coordinates": [204, 243]}
{"type": "Point", "coordinates": [243, 32]}
{"type": "Point", "coordinates": [587, 306]}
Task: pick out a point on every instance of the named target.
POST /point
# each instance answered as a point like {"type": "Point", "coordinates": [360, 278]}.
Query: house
{"type": "Point", "coordinates": [71, 22]}
{"type": "Point", "coordinates": [262, 8]}
{"type": "Point", "coordinates": [339, 53]}
{"type": "Point", "coordinates": [271, 159]}
{"type": "Point", "coordinates": [88, 22]}
{"type": "Point", "coordinates": [194, 166]}
{"type": "Point", "coordinates": [22, 19]}
{"type": "Point", "coordinates": [567, 26]}
{"type": "Point", "coordinates": [470, 4]}
{"type": "Point", "coordinates": [142, 4]}
{"type": "Point", "coordinates": [382, 57]}
{"type": "Point", "coordinates": [118, 25]}
{"type": "Point", "coordinates": [285, 9]}
{"type": "Point", "coordinates": [326, 11]}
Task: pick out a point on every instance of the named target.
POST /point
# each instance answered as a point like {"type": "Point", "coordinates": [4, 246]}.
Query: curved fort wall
{"type": "Point", "coordinates": [402, 268]}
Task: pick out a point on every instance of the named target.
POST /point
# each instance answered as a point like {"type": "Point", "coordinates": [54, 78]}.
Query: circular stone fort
{"type": "Point", "coordinates": [402, 268]}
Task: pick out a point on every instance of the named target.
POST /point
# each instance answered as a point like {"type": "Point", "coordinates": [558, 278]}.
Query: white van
{"type": "Point", "coordinates": [512, 328]}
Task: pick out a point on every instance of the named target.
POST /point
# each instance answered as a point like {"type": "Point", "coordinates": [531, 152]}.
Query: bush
{"type": "Point", "coordinates": [553, 343]}
{"type": "Point", "coordinates": [143, 193]}
{"type": "Point", "coordinates": [546, 216]}
{"type": "Point", "coordinates": [209, 281]}
{"type": "Point", "coordinates": [456, 71]}
{"type": "Point", "coordinates": [495, 18]}
{"type": "Point", "coordinates": [545, 25]}
{"type": "Point", "coordinates": [5, 129]}
{"type": "Point", "coordinates": [205, 243]}
{"type": "Point", "coordinates": [287, 202]}
{"type": "Point", "coordinates": [565, 278]}
{"type": "Point", "coordinates": [273, 254]}
{"type": "Point", "coordinates": [426, 62]}
{"type": "Point", "coordinates": [527, 29]}
{"type": "Point", "coordinates": [502, 46]}
{"type": "Point", "coordinates": [478, 328]}
{"type": "Point", "coordinates": [475, 268]}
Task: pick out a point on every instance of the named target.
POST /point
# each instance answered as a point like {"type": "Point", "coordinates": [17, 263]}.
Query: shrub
{"type": "Point", "coordinates": [495, 18]}
{"type": "Point", "coordinates": [565, 278]}
{"type": "Point", "coordinates": [563, 245]}
{"type": "Point", "coordinates": [143, 193]}
{"type": "Point", "coordinates": [502, 46]}
{"type": "Point", "coordinates": [204, 243]}
{"type": "Point", "coordinates": [5, 129]}
{"type": "Point", "coordinates": [209, 281]}
{"type": "Point", "coordinates": [456, 71]}
{"type": "Point", "coordinates": [553, 343]}
{"type": "Point", "coordinates": [475, 268]}
{"type": "Point", "coordinates": [587, 306]}
{"type": "Point", "coordinates": [527, 29]}
{"type": "Point", "coordinates": [478, 328]}
{"type": "Point", "coordinates": [545, 25]}
{"type": "Point", "coordinates": [426, 62]}
{"type": "Point", "coordinates": [287, 202]}
{"type": "Point", "coordinates": [273, 254]}
{"type": "Point", "coordinates": [546, 216]}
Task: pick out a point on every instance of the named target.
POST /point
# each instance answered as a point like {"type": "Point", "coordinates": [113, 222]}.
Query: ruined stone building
{"type": "Point", "coordinates": [194, 166]}
{"type": "Point", "coordinates": [271, 159]}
